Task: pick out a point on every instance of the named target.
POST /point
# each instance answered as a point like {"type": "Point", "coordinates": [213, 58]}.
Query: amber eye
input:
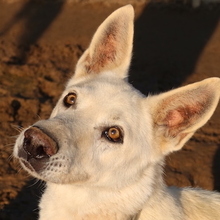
{"type": "Point", "coordinates": [113, 134]}
{"type": "Point", "coordinates": [69, 99]}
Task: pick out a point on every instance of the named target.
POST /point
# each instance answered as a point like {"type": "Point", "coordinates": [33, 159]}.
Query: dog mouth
{"type": "Point", "coordinates": [37, 148]}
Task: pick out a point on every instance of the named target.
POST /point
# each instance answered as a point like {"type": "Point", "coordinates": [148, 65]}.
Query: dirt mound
{"type": "Point", "coordinates": [40, 43]}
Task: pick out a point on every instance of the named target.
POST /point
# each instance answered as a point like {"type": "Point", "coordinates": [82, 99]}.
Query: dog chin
{"type": "Point", "coordinates": [55, 178]}
{"type": "Point", "coordinates": [63, 178]}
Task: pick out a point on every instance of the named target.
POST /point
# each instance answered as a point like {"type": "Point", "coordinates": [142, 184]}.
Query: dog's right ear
{"type": "Point", "coordinates": [111, 46]}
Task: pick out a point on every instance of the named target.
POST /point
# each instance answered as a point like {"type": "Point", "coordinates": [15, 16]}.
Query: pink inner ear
{"type": "Point", "coordinates": [174, 118]}
{"type": "Point", "coordinates": [105, 52]}
{"type": "Point", "coordinates": [180, 118]}
{"type": "Point", "coordinates": [184, 116]}
{"type": "Point", "coordinates": [186, 108]}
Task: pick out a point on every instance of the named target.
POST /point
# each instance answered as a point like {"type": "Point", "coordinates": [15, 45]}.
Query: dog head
{"type": "Point", "coordinates": [103, 131]}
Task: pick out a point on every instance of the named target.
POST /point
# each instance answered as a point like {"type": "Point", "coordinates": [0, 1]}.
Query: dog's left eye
{"type": "Point", "coordinates": [113, 134]}
{"type": "Point", "coordinates": [70, 99]}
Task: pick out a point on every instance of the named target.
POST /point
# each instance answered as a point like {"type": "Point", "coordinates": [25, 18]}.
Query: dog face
{"type": "Point", "coordinates": [102, 131]}
{"type": "Point", "coordinates": [93, 135]}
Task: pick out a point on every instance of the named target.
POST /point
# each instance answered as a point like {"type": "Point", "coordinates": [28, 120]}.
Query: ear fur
{"type": "Point", "coordinates": [111, 46]}
{"type": "Point", "coordinates": [179, 113]}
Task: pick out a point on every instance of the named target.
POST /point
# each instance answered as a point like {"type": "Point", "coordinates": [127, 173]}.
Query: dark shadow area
{"type": "Point", "coordinates": [169, 39]}
{"type": "Point", "coordinates": [37, 18]}
{"type": "Point", "coordinates": [25, 205]}
{"type": "Point", "coordinates": [216, 170]}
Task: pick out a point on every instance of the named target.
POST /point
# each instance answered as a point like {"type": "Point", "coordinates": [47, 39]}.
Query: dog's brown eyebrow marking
{"type": "Point", "coordinates": [116, 118]}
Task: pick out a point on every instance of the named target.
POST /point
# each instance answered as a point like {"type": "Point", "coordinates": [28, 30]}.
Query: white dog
{"type": "Point", "coordinates": [102, 150]}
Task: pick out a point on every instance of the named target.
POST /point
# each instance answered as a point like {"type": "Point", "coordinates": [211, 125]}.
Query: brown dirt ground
{"type": "Point", "coordinates": [40, 42]}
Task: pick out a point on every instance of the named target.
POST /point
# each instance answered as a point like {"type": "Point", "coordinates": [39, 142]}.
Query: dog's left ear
{"type": "Point", "coordinates": [111, 46]}
{"type": "Point", "coordinates": [179, 113]}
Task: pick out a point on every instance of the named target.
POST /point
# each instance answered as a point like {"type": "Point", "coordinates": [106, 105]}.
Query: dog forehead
{"type": "Point", "coordinates": [106, 89]}
{"type": "Point", "coordinates": [107, 98]}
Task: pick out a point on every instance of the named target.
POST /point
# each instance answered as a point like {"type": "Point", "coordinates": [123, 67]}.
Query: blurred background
{"type": "Point", "coordinates": [176, 42]}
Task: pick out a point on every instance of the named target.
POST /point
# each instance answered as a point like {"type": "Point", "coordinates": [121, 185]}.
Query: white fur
{"type": "Point", "coordinates": [92, 178]}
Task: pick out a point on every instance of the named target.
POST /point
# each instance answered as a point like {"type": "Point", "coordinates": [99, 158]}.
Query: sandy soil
{"type": "Point", "coordinates": [40, 42]}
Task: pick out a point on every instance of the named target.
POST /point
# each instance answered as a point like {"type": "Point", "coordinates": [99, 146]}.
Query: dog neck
{"type": "Point", "coordinates": [97, 203]}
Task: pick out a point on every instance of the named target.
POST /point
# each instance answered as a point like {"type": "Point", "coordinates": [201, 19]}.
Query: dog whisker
{"type": "Point", "coordinates": [17, 128]}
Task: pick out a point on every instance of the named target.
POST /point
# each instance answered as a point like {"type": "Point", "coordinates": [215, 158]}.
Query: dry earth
{"type": "Point", "coordinates": [40, 42]}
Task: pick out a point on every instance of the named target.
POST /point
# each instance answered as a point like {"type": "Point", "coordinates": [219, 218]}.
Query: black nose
{"type": "Point", "coordinates": [38, 145]}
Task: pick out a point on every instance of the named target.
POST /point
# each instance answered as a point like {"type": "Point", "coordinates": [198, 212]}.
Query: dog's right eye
{"type": "Point", "coordinates": [69, 99]}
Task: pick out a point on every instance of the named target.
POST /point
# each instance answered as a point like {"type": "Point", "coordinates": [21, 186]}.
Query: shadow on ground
{"type": "Point", "coordinates": [168, 42]}
{"type": "Point", "coordinates": [37, 17]}
{"type": "Point", "coordinates": [25, 205]}
{"type": "Point", "coordinates": [216, 170]}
